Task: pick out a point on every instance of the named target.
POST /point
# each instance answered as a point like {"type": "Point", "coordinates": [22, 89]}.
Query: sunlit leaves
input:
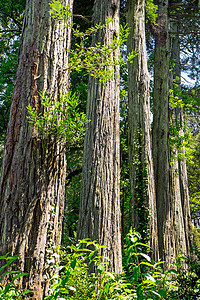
{"type": "Point", "coordinates": [62, 121]}
{"type": "Point", "coordinates": [151, 11]}
{"type": "Point", "coordinates": [99, 60]}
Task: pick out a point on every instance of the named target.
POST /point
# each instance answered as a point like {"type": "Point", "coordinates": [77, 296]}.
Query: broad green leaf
{"type": "Point", "coordinates": [73, 263]}
{"type": "Point", "coordinates": [147, 257]}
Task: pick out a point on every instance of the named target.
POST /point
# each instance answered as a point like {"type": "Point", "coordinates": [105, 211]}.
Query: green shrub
{"type": "Point", "coordinates": [76, 282]}
{"type": "Point", "coordinates": [142, 279]}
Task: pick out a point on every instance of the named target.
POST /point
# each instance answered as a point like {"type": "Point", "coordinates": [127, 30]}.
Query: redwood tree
{"type": "Point", "coordinates": [161, 154]}
{"type": "Point", "coordinates": [32, 182]}
{"type": "Point", "coordinates": [179, 186]}
{"type": "Point", "coordinates": [143, 204]}
{"type": "Point", "coordinates": [99, 217]}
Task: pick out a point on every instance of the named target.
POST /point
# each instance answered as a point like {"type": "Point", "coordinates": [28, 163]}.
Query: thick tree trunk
{"type": "Point", "coordinates": [32, 182]}
{"type": "Point", "coordinates": [99, 217]}
{"type": "Point", "coordinates": [140, 154]}
{"type": "Point", "coordinates": [166, 237]}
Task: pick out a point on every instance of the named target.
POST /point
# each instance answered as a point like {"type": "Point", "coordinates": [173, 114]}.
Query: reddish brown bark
{"type": "Point", "coordinates": [139, 122]}
{"type": "Point", "coordinates": [99, 217]}
{"type": "Point", "coordinates": [32, 183]}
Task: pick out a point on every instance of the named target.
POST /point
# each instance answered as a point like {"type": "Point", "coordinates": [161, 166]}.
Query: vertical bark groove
{"type": "Point", "coordinates": [99, 217]}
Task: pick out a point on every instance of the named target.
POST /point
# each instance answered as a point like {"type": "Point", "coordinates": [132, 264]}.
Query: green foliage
{"type": "Point", "coordinates": [60, 12]}
{"type": "Point", "coordinates": [145, 276]}
{"type": "Point", "coordinates": [61, 121]}
{"type": "Point", "coordinates": [143, 279]}
{"type": "Point", "coordinates": [125, 190]}
{"type": "Point", "coordinates": [197, 243]}
{"type": "Point", "coordinates": [151, 282]}
{"type": "Point", "coordinates": [182, 99]}
{"type": "Point", "coordinates": [100, 59]}
{"type": "Point", "coordinates": [10, 290]}
{"type": "Point", "coordinates": [193, 170]}
{"type": "Point", "coordinates": [180, 132]}
{"type": "Point", "coordinates": [75, 281]}
{"type": "Point", "coordinates": [186, 285]}
{"type": "Point", "coordinates": [151, 11]}
{"type": "Point", "coordinates": [11, 16]}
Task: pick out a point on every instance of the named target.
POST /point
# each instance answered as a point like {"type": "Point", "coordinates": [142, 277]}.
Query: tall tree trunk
{"type": "Point", "coordinates": [180, 168]}
{"type": "Point", "coordinates": [99, 217]}
{"type": "Point", "coordinates": [166, 237]}
{"type": "Point", "coordinates": [32, 184]}
{"type": "Point", "coordinates": [179, 228]}
{"type": "Point", "coordinates": [140, 153]}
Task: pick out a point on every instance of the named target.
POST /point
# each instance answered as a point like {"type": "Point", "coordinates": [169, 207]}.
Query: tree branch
{"type": "Point", "coordinates": [83, 18]}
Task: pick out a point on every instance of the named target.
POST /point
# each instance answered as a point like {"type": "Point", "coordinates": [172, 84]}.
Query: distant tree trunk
{"type": "Point", "coordinates": [185, 200]}
{"type": "Point", "coordinates": [180, 170]}
{"type": "Point", "coordinates": [166, 237]}
{"type": "Point", "coordinates": [179, 228]}
{"type": "Point", "coordinates": [32, 184]}
{"type": "Point", "coordinates": [143, 205]}
{"type": "Point", "coordinates": [99, 217]}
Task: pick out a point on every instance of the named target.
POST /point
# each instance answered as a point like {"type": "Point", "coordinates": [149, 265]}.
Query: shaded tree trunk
{"type": "Point", "coordinates": [185, 201]}
{"type": "Point", "coordinates": [32, 184]}
{"type": "Point", "coordinates": [161, 159]}
{"type": "Point", "coordinates": [143, 205]}
{"type": "Point", "coordinates": [99, 217]}
{"type": "Point", "coordinates": [179, 228]}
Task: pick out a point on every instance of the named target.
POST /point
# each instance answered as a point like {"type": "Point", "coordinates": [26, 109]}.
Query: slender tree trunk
{"type": "Point", "coordinates": [99, 217]}
{"type": "Point", "coordinates": [179, 228]}
{"type": "Point", "coordinates": [166, 237]}
{"type": "Point", "coordinates": [32, 184]}
{"type": "Point", "coordinates": [185, 201]}
{"type": "Point", "coordinates": [140, 153]}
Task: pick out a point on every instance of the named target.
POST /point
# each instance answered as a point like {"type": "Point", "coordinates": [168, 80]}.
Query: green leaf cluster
{"type": "Point", "coordinates": [181, 136]}
{"type": "Point", "coordinates": [60, 12]}
{"type": "Point", "coordinates": [193, 170]}
{"type": "Point", "coordinates": [11, 17]}
{"type": "Point", "coordinates": [145, 276]}
{"type": "Point", "coordinates": [10, 290]}
{"type": "Point", "coordinates": [61, 121]}
{"type": "Point", "coordinates": [151, 11]}
{"type": "Point", "coordinates": [99, 60]}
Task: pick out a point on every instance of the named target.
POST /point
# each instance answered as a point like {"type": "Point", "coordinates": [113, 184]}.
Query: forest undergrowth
{"type": "Point", "coordinates": [142, 278]}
